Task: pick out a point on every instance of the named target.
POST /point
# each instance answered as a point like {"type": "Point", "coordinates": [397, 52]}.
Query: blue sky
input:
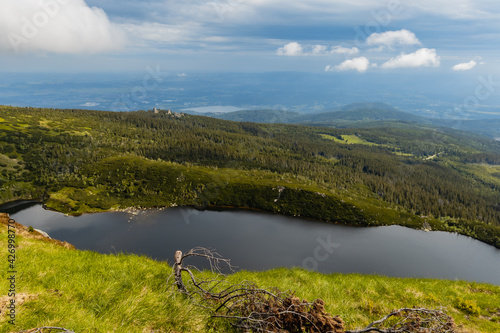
{"type": "Point", "coordinates": [390, 36]}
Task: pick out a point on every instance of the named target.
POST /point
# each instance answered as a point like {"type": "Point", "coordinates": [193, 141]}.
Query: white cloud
{"type": "Point", "coordinates": [161, 33]}
{"type": "Point", "coordinates": [390, 38]}
{"type": "Point", "coordinates": [294, 49]}
{"type": "Point", "coordinates": [90, 104]}
{"type": "Point", "coordinates": [263, 11]}
{"type": "Point", "coordinates": [464, 66]}
{"type": "Point", "coordinates": [319, 49]}
{"type": "Point", "coordinates": [458, 9]}
{"type": "Point", "coordinates": [360, 64]}
{"type": "Point", "coordinates": [421, 58]}
{"type": "Point", "coordinates": [344, 50]}
{"type": "Point", "coordinates": [59, 26]}
{"type": "Point", "coordinates": [291, 49]}
{"type": "Point", "coordinates": [202, 17]}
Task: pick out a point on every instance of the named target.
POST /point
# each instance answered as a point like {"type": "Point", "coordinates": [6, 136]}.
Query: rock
{"type": "Point", "coordinates": [43, 233]}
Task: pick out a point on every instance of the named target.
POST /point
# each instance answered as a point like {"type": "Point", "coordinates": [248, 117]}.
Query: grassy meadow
{"type": "Point", "coordinates": [89, 292]}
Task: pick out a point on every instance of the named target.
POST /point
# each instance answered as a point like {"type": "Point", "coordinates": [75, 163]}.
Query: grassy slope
{"type": "Point", "coordinates": [89, 292]}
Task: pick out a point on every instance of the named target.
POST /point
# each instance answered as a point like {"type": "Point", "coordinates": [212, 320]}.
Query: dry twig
{"type": "Point", "coordinates": [47, 329]}
{"type": "Point", "coordinates": [412, 320]}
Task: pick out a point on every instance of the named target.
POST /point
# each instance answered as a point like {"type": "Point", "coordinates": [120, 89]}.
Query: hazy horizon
{"type": "Point", "coordinates": [433, 58]}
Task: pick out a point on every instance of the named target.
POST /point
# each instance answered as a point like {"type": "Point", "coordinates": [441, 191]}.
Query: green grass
{"type": "Point", "coordinates": [354, 139]}
{"type": "Point", "coordinates": [349, 139]}
{"type": "Point", "coordinates": [89, 292]}
{"type": "Point", "coordinates": [7, 162]}
{"type": "Point", "coordinates": [487, 173]}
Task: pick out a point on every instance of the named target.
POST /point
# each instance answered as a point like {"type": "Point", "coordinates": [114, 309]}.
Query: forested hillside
{"type": "Point", "coordinates": [79, 161]}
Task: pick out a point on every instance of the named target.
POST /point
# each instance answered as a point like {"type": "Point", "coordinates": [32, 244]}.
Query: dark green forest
{"type": "Point", "coordinates": [79, 161]}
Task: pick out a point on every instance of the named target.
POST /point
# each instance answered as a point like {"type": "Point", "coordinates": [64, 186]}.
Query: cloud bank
{"type": "Point", "coordinates": [295, 49]}
{"type": "Point", "coordinates": [423, 57]}
{"type": "Point", "coordinates": [265, 11]}
{"type": "Point", "coordinates": [57, 26]}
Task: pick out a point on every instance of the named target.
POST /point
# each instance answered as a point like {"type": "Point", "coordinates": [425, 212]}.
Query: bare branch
{"type": "Point", "coordinates": [412, 320]}
{"type": "Point", "coordinates": [248, 307]}
{"type": "Point", "coordinates": [253, 309]}
{"type": "Point", "coordinates": [47, 329]}
{"type": "Point", "coordinates": [215, 259]}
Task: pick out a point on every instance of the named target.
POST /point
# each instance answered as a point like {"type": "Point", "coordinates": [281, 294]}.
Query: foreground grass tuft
{"type": "Point", "coordinates": [89, 292]}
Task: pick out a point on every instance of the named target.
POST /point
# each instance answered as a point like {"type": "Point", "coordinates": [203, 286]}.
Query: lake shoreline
{"type": "Point", "coordinates": [257, 240]}
{"type": "Point", "coordinates": [134, 209]}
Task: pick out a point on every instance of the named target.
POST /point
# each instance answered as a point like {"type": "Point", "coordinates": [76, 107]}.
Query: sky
{"type": "Point", "coordinates": [330, 36]}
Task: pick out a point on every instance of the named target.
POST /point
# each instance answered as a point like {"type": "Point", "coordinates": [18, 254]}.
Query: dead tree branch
{"type": "Point", "coordinates": [248, 307]}
{"type": "Point", "coordinates": [47, 329]}
{"type": "Point", "coordinates": [253, 309]}
{"type": "Point", "coordinates": [411, 320]}
{"type": "Point", "coordinates": [216, 266]}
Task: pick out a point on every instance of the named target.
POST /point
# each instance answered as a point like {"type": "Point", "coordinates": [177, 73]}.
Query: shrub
{"type": "Point", "coordinates": [468, 306]}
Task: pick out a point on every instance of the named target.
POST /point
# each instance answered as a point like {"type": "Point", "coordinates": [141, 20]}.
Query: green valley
{"type": "Point", "coordinates": [80, 161]}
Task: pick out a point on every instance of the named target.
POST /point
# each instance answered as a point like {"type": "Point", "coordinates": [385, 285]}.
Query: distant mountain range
{"type": "Point", "coordinates": [360, 115]}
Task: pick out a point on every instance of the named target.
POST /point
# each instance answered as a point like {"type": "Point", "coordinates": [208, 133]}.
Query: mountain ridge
{"type": "Point", "coordinates": [359, 115]}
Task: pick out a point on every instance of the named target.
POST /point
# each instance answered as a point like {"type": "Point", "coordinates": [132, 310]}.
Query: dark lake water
{"type": "Point", "coordinates": [259, 241]}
